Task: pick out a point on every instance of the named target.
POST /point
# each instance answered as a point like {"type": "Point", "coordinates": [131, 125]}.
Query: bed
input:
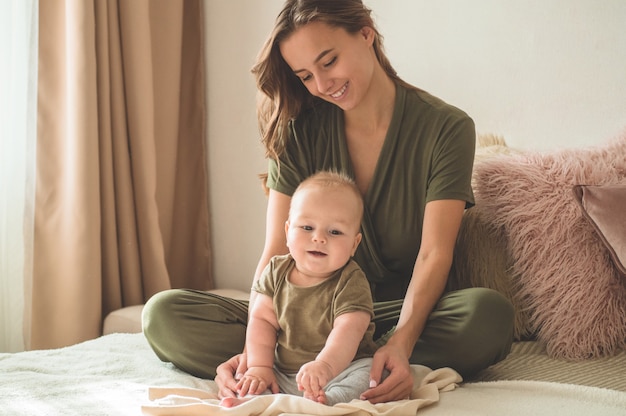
{"type": "Point", "coordinates": [538, 242]}
{"type": "Point", "coordinates": [118, 374]}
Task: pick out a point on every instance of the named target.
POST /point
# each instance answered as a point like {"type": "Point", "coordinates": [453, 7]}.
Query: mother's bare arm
{"type": "Point", "coordinates": [442, 220]}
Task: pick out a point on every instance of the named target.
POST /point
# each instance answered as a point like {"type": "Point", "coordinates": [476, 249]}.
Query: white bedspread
{"type": "Point", "coordinates": [106, 376]}
{"type": "Point", "coordinates": [119, 374]}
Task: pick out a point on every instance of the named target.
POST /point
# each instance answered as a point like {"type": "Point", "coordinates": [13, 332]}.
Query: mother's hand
{"type": "Point", "coordinates": [228, 373]}
{"type": "Point", "coordinates": [398, 384]}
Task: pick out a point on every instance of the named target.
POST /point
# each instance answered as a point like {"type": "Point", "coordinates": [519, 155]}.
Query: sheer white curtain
{"type": "Point", "coordinates": [18, 121]}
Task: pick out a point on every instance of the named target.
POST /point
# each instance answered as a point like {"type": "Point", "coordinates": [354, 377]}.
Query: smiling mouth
{"type": "Point", "coordinates": [340, 92]}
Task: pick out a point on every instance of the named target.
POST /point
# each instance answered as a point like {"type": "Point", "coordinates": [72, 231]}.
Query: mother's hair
{"type": "Point", "coordinates": [281, 93]}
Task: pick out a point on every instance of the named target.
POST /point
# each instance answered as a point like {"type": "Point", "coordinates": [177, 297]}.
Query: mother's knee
{"type": "Point", "coordinates": [486, 333]}
{"type": "Point", "coordinates": [157, 312]}
{"type": "Point", "coordinates": [494, 308]}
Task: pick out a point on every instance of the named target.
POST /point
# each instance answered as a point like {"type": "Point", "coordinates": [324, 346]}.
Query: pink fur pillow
{"type": "Point", "coordinates": [566, 283]}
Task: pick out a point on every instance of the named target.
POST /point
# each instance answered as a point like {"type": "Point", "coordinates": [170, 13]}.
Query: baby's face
{"type": "Point", "coordinates": [323, 230]}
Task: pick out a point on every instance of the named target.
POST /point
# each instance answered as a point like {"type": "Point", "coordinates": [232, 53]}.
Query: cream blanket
{"type": "Point", "coordinates": [171, 401]}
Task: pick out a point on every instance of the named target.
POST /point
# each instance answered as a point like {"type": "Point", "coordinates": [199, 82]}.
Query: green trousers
{"type": "Point", "coordinates": [468, 330]}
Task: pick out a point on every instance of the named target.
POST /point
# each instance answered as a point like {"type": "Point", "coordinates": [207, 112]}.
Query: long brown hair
{"type": "Point", "coordinates": [282, 95]}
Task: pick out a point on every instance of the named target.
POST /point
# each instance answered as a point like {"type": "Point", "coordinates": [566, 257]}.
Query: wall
{"type": "Point", "coordinates": [543, 74]}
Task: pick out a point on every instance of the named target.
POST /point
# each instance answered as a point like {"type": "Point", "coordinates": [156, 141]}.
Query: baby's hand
{"type": "Point", "coordinates": [257, 380]}
{"type": "Point", "coordinates": [312, 378]}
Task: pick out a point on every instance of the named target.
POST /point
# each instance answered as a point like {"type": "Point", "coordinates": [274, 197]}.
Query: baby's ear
{"type": "Point", "coordinates": [286, 227]}
{"type": "Point", "coordinates": [357, 240]}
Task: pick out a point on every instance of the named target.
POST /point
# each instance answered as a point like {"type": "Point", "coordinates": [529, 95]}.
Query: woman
{"type": "Point", "coordinates": [332, 101]}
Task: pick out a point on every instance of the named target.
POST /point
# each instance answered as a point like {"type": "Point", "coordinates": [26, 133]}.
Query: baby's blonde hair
{"type": "Point", "coordinates": [333, 180]}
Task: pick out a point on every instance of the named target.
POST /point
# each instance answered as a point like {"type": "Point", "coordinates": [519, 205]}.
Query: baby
{"type": "Point", "coordinates": [309, 331]}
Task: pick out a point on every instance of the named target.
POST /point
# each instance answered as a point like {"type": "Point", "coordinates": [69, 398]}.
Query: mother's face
{"type": "Point", "coordinates": [333, 64]}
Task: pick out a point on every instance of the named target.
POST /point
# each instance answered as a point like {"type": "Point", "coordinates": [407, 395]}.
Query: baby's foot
{"type": "Point", "coordinates": [319, 397]}
{"type": "Point", "coordinates": [233, 401]}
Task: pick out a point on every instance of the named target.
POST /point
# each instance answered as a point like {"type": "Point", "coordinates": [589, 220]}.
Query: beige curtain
{"type": "Point", "coordinates": [121, 195]}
